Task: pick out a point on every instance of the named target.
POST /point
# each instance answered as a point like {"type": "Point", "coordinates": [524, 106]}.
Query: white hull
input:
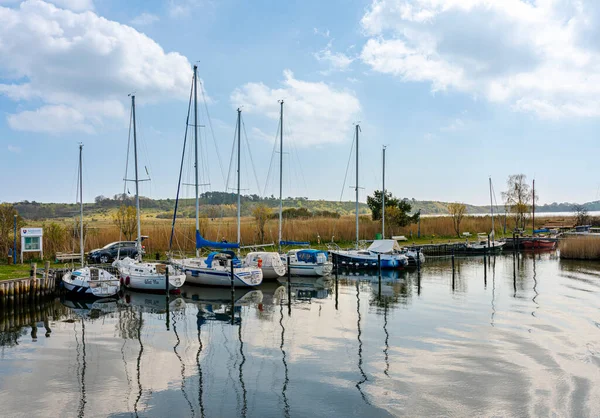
{"type": "Point", "coordinates": [91, 282]}
{"type": "Point", "coordinates": [270, 273]}
{"type": "Point", "coordinates": [306, 269]}
{"type": "Point", "coordinates": [148, 277]}
{"type": "Point", "coordinates": [198, 273]}
{"type": "Point", "coordinates": [270, 263]}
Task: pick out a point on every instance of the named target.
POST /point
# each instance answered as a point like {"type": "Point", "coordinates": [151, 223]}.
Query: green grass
{"type": "Point", "coordinates": [20, 271]}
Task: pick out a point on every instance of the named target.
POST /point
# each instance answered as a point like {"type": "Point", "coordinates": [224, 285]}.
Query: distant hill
{"type": "Point", "coordinates": [216, 204]}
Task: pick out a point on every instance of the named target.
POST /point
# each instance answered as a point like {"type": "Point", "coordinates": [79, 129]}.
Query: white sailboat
{"type": "Point", "coordinates": [136, 274]}
{"type": "Point", "coordinates": [487, 243]}
{"type": "Point", "coordinates": [302, 262]}
{"type": "Point", "coordinates": [88, 281]}
{"type": "Point", "coordinates": [216, 269]}
{"type": "Point", "coordinates": [385, 253]}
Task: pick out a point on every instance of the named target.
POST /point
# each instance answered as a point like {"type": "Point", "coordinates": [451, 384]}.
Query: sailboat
{"type": "Point", "coordinates": [384, 253]}
{"type": "Point", "coordinates": [135, 274]}
{"type": "Point", "coordinates": [537, 243]}
{"type": "Point", "coordinates": [301, 262]}
{"type": "Point", "coordinates": [88, 281]}
{"type": "Point", "coordinates": [268, 262]}
{"type": "Point", "coordinates": [486, 243]}
{"type": "Point", "coordinates": [216, 269]}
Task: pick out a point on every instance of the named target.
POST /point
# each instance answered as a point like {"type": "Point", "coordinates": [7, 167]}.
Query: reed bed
{"type": "Point", "coordinates": [60, 236]}
{"type": "Point", "coordinates": [580, 248]}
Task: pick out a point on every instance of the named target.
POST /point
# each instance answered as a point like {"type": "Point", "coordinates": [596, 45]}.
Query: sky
{"type": "Point", "coordinates": [458, 90]}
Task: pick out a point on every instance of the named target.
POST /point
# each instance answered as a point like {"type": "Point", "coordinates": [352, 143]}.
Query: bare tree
{"type": "Point", "coordinates": [457, 211]}
{"type": "Point", "coordinates": [581, 215]}
{"type": "Point", "coordinates": [518, 198]}
{"type": "Point", "coordinates": [125, 218]}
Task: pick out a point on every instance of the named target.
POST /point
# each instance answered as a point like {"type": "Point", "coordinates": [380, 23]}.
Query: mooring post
{"type": "Point", "coordinates": [418, 259]}
{"type": "Point", "coordinates": [167, 282]}
{"type": "Point", "coordinates": [453, 268]}
{"type": "Point", "coordinates": [33, 270]}
{"type": "Point", "coordinates": [419, 283]}
{"type": "Point", "coordinates": [47, 270]}
{"type": "Point", "coordinates": [484, 272]}
{"type": "Point", "coordinates": [488, 243]}
{"type": "Point", "coordinates": [379, 270]}
{"type": "Point", "coordinates": [232, 292]}
{"type": "Point", "coordinates": [289, 283]}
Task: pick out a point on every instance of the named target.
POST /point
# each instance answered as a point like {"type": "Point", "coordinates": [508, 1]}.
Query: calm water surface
{"type": "Point", "coordinates": [511, 337]}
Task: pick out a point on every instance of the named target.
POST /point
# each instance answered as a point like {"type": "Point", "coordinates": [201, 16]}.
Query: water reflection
{"type": "Point", "coordinates": [514, 336]}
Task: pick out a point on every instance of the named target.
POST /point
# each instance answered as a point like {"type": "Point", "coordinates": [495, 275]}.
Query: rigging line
{"type": "Point", "coordinates": [211, 129]}
{"type": "Point", "coordinates": [180, 171]}
{"type": "Point", "coordinates": [251, 159]}
{"type": "Point", "coordinates": [348, 166]}
{"type": "Point", "coordinates": [272, 158]}
{"type": "Point", "coordinates": [231, 157]}
{"type": "Point", "coordinates": [296, 154]}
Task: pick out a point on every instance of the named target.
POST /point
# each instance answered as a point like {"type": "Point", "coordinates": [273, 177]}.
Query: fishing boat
{"type": "Point", "coordinates": [222, 267]}
{"type": "Point", "coordinates": [136, 274]}
{"type": "Point", "coordinates": [88, 281]}
{"type": "Point", "coordinates": [384, 251]}
{"type": "Point", "coordinates": [308, 262]}
{"type": "Point", "coordinates": [486, 244]}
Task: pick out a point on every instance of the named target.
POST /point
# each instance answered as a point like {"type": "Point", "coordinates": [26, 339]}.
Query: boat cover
{"type": "Point", "coordinates": [201, 242]}
{"type": "Point", "coordinates": [310, 256]}
{"type": "Point", "coordinates": [384, 246]}
{"type": "Point", "coordinates": [286, 243]}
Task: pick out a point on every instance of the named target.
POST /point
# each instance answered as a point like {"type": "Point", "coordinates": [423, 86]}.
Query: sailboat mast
{"type": "Point", "coordinates": [280, 171]}
{"type": "Point", "coordinates": [357, 129]}
{"type": "Point", "coordinates": [383, 199]}
{"type": "Point", "coordinates": [239, 206]}
{"type": "Point", "coordinates": [533, 207]}
{"type": "Point", "coordinates": [196, 152]}
{"type": "Point", "coordinates": [138, 244]}
{"type": "Point", "coordinates": [492, 210]}
{"type": "Point", "coordinates": [81, 205]}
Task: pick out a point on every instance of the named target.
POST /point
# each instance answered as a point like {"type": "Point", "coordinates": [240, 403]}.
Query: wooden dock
{"type": "Point", "coordinates": [29, 289]}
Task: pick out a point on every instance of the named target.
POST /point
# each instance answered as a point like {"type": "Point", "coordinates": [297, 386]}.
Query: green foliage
{"type": "Point", "coordinates": [126, 220]}
{"type": "Point", "coordinates": [261, 213]}
{"type": "Point", "coordinates": [7, 216]}
{"type": "Point", "coordinates": [396, 210]}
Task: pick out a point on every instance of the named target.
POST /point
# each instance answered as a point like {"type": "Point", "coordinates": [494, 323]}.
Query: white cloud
{"type": "Point", "coordinates": [14, 149]}
{"type": "Point", "coordinates": [144, 19]}
{"type": "Point", "coordinates": [183, 8]}
{"type": "Point", "coordinates": [81, 67]}
{"type": "Point", "coordinates": [540, 56]}
{"type": "Point", "coordinates": [75, 5]}
{"type": "Point", "coordinates": [315, 112]}
{"type": "Point", "coordinates": [337, 61]}
{"type": "Point", "coordinates": [53, 119]}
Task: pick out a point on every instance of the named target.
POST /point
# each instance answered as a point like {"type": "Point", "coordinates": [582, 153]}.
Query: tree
{"type": "Point", "coordinates": [261, 214]}
{"type": "Point", "coordinates": [457, 211]}
{"type": "Point", "coordinates": [396, 210]}
{"type": "Point", "coordinates": [125, 218]}
{"type": "Point", "coordinates": [581, 215]}
{"type": "Point", "coordinates": [518, 198]}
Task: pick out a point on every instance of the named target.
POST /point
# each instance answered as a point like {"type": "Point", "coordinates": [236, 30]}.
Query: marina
{"type": "Point", "coordinates": [505, 334]}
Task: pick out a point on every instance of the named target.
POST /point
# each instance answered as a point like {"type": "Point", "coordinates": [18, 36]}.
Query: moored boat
{"type": "Point", "coordinates": [269, 262]}
{"type": "Point", "coordinates": [308, 262]}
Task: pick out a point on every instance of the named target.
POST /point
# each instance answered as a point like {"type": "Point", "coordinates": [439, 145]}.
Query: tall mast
{"type": "Point", "coordinates": [280, 171]}
{"type": "Point", "coordinates": [239, 206]}
{"type": "Point", "coordinates": [383, 199]}
{"type": "Point", "coordinates": [492, 210]}
{"type": "Point", "coordinates": [533, 226]}
{"type": "Point", "coordinates": [357, 129]}
{"type": "Point", "coordinates": [81, 204]}
{"type": "Point", "coordinates": [196, 152]}
{"type": "Point", "coordinates": [138, 243]}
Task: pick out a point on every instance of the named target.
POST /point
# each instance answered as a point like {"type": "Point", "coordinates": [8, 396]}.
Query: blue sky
{"type": "Point", "coordinates": [458, 90]}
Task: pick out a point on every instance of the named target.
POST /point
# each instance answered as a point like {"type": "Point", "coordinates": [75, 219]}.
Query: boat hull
{"type": "Point", "coordinates": [349, 260]}
{"type": "Point", "coordinates": [538, 244]}
{"type": "Point", "coordinates": [307, 269]}
{"type": "Point", "coordinates": [82, 286]}
{"type": "Point", "coordinates": [272, 273]}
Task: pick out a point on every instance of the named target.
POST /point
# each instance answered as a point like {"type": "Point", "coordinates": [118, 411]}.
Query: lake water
{"type": "Point", "coordinates": [519, 337]}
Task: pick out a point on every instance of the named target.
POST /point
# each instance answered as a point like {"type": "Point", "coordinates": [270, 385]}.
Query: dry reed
{"type": "Point", "coordinates": [580, 248]}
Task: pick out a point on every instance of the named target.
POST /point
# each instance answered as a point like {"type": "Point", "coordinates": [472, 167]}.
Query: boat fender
{"type": "Point", "coordinates": [121, 280]}
{"type": "Point", "coordinates": [127, 299]}
{"type": "Point", "coordinates": [259, 262]}
{"type": "Point", "coordinates": [127, 280]}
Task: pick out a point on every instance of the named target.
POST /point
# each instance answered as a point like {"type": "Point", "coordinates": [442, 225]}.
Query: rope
{"type": "Point", "coordinates": [212, 130]}
{"type": "Point", "coordinates": [251, 159]}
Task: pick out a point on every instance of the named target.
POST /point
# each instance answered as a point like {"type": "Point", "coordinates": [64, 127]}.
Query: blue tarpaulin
{"type": "Point", "coordinates": [201, 242]}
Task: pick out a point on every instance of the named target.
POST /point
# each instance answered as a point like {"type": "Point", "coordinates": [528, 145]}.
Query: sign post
{"type": "Point", "coordinates": [31, 241]}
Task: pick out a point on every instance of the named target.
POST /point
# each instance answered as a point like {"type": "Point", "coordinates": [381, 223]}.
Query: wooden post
{"type": "Point", "coordinates": [484, 272]}
{"type": "Point", "coordinates": [232, 292]}
{"type": "Point", "coordinates": [33, 270]}
{"type": "Point", "coordinates": [47, 270]}
{"type": "Point", "coordinates": [289, 277]}
{"type": "Point", "coordinates": [418, 258]}
{"type": "Point", "coordinates": [379, 268]}
{"type": "Point", "coordinates": [167, 280]}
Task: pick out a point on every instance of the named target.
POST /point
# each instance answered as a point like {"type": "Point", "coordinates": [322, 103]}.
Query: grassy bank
{"type": "Point", "coordinates": [580, 248]}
